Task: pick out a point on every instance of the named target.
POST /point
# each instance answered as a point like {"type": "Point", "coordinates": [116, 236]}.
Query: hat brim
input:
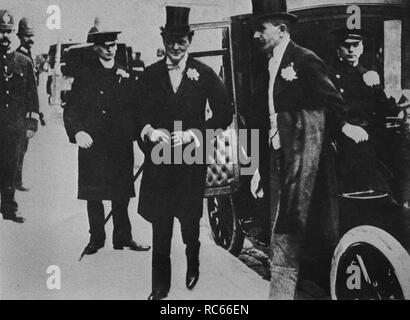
{"type": "Point", "coordinates": [254, 19]}
{"type": "Point", "coordinates": [9, 27]}
{"type": "Point", "coordinates": [28, 34]}
{"type": "Point", "coordinates": [342, 35]}
{"type": "Point", "coordinates": [176, 32]}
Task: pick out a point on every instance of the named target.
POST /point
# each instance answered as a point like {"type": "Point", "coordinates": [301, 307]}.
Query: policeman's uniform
{"type": "Point", "coordinates": [19, 109]}
{"type": "Point", "coordinates": [24, 30]}
{"type": "Point", "coordinates": [367, 106]}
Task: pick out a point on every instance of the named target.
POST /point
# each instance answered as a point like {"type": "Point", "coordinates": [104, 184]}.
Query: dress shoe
{"type": "Point", "coordinates": [192, 277]}
{"type": "Point", "coordinates": [22, 188]}
{"type": "Point", "coordinates": [93, 246]}
{"type": "Point", "coordinates": [158, 295]}
{"type": "Point", "coordinates": [131, 245]}
{"type": "Point", "coordinates": [14, 216]}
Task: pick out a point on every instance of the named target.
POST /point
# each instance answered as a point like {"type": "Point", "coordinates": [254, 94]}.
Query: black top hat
{"type": "Point", "coordinates": [25, 28]}
{"type": "Point", "coordinates": [268, 9]}
{"type": "Point", "coordinates": [345, 34]}
{"type": "Point", "coordinates": [177, 23]}
{"type": "Point", "coordinates": [6, 21]}
{"type": "Point", "coordinates": [102, 37]}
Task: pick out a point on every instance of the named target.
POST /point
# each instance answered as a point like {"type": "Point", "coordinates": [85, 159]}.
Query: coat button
{"type": "Point", "coordinates": [7, 105]}
{"type": "Point", "coordinates": [338, 76]}
{"type": "Point", "coordinates": [341, 90]}
{"type": "Point", "coordinates": [101, 92]}
{"type": "Point", "coordinates": [7, 92]}
{"type": "Point", "coordinates": [104, 112]}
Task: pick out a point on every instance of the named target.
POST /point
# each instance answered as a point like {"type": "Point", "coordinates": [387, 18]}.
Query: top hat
{"type": "Point", "coordinates": [6, 21]}
{"type": "Point", "coordinates": [177, 23]}
{"type": "Point", "coordinates": [270, 9]}
{"type": "Point", "coordinates": [25, 28]}
{"type": "Point", "coordinates": [102, 37]}
{"type": "Point", "coordinates": [350, 35]}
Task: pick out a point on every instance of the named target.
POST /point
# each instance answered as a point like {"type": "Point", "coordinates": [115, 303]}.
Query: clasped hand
{"type": "Point", "coordinates": [83, 140]}
{"type": "Point", "coordinates": [356, 133]}
{"type": "Point", "coordinates": [177, 138]}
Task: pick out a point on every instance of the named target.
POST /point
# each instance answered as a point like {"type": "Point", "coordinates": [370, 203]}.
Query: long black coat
{"type": "Point", "coordinates": [312, 91]}
{"type": "Point", "coordinates": [99, 104]}
{"type": "Point", "coordinates": [177, 189]}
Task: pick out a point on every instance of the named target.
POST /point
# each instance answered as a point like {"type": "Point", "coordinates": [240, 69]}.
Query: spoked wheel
{"type": "Point", "coordinates": [369, 264]}
{"type": "Point", "coordinates": [224, 224]}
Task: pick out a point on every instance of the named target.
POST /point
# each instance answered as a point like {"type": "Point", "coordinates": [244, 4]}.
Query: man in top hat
{"type": "Point", "coordinates": [25, 33]}
{"type": "Point", "coordinates": [367, 107]}
{"type": "Point", "coordinates": [295, 107]}
{"type": "Point", "coordinates": [174, 91]}
{"type": "Point", "coordinates": [19, 114]}
{"type": "Point", "coordinates": [99, 119]}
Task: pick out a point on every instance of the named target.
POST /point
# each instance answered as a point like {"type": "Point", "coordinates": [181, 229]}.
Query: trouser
{"type": "Point", "coordinates": [161, 249]}
{"type": "Point", "coordinates": [10, 144]}
{"type": "Point", "coordinates": [291, 187]}
{"type": "Point", "coordinates": [122, 226]}
{"type": "Point", "coordinates": [23, 150]}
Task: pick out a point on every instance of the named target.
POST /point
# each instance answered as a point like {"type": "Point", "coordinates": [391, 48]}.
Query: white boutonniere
{"type": "Point", "coordinates": [192, 74]}
{"type": "Point", "coordinates": [122, 74]}
{"type": "Point", "coordinates": [289, 73]}
{"type": "Point", "coordinates": [371, 78]}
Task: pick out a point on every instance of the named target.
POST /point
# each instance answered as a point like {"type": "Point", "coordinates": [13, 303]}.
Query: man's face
{"type": "Point", "coordinates": [107, 51]}
{"type": "Point", "coordinates": [266, 36]}
{"type": "Point", "coordinates": [27, 41]}
{"type": "Point", "coordinates": [351, 51]}
{"type": "Point", "coordinates": [5, 39]}
{"type": "Point", "coordinates": [176, 47]}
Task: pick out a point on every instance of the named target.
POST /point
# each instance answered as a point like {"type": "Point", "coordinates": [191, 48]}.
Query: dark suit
{"type": "Point", "coordinates": [176, 190]}
{"type": "Point", "coordinates": [301, 175]}
{"type": "Point", "coordinates": [19, 109]}
{"type": "Point", "coordinates": [99, 104]}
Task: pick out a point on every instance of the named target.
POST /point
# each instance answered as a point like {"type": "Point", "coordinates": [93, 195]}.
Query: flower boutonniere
{"type": "Point", "coordinates": [192, 74]}
{"type": "Point", "coordinates": [289, 73]}
{"type": "Point", "coordinates": [371, 78]}
{"type": "Point", "coordinates": [122, 74]}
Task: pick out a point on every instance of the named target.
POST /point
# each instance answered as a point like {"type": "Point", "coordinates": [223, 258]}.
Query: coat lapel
{"type": "Point", "coordinates": [288, 57]}
{"type": "Point", "coordinates": [164, 80]}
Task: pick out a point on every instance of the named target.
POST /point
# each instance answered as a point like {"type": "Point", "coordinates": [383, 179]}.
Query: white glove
{"type": "Point", "coordinates": [83, 140]}
{"type": "Point", "coordinates": [356, 133]}
{"type": "Point", "coordinates": [274, 139]}
{"type": "Point", "coordinates": [155, 135]}
{"type": "Point", "coordinates": [179, 138]}
{"type": "Point", "coordinates": [256, 189]}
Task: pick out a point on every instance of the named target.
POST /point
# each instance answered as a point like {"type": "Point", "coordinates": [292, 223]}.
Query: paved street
{"type": "Point", "coordinates": [56, 232]}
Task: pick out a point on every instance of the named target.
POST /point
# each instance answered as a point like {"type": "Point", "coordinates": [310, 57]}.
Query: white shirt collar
{"type": "Point", "coordinates": [107, 64]}
{"type": "Point", "coordinates": [181, 63]}
{"type": "Point", "coordinates": [280, 49]}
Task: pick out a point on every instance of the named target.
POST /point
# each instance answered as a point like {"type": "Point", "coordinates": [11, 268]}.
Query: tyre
{"type": "Point", "coordinates": [224, 224]}
{"type": "Point", "coordinates": [369, 264]}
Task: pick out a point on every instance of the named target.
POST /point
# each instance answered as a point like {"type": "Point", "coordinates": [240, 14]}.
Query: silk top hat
{"type": "Point", "coordinates": [25, 29]}
{"type": "Point", "coordinates": [177, 23]}
{"type": "Point", "coordinates": [102, 37]}
{"type": "Point", "coordinates": [350, 35]}
{"type": "Point", "coordinates": [269, 9]}
{"type": "Point", "coordinates": [6, 21]}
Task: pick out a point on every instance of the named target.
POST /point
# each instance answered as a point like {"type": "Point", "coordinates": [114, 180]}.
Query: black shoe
{"type": "Point", "coordinates": [192, 277]}
{"type": "Point", "coordinates": [93, 247]}
{"type": "Point", "coordinates": [131, 245]}
{"type": "Point", "coordinates": [14, 216]}
{"type": "Point", "coordinates": [158, 295]}
{"type": "Point", "coordinates": [22, 188]}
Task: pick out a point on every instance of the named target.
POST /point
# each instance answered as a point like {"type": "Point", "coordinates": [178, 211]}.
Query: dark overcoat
{"type": "Point", "coordinates": [311, 91]}
{"type": "Point", "coordinates": [99, 104]}
{"type": "Point", "coordinates": [177, 189]}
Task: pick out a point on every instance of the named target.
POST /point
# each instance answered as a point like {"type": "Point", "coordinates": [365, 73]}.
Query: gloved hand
{"type": "Point", "coordinates": [83, 140]}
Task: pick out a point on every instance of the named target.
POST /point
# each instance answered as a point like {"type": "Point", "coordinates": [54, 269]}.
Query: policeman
{"type": "Point", "coordinates": [25, 34]}
{"type": "Point", "coordinates": [19, 116]}
{"type": "Point", "coordinates": [368, 107]}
